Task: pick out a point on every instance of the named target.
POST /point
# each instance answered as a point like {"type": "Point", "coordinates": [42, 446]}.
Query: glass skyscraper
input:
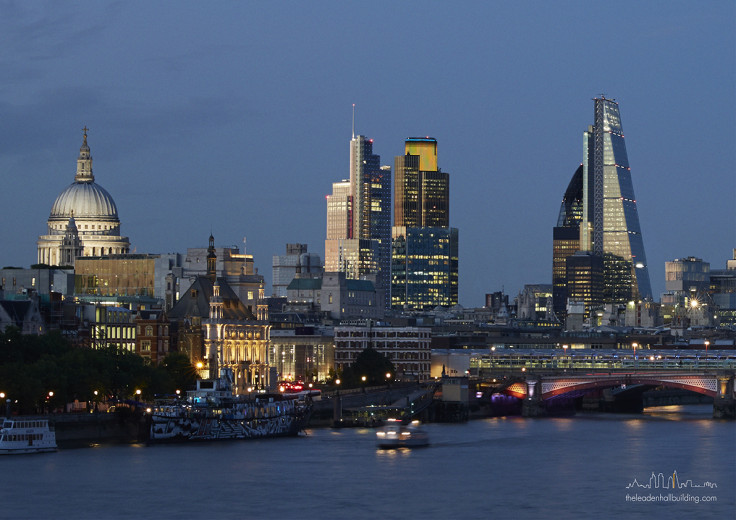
{"type": "Point", "coordinates": [424, 266]}
{"type": "Point", "coordinates": [610, 225]}
{"type": "Point", "coordinates": [422, 189]}
{"type": "Point", "coordinates": [566, 240]}
{"type": "Point", "coordinates": [598, 223]}
{"type": "Point", "coordinates": [359, 219]}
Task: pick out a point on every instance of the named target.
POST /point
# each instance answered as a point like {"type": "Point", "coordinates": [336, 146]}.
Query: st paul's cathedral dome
{"type": "Point", "coordinates": [84, 220]}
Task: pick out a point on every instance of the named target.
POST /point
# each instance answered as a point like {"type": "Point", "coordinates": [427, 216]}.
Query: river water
{"type": "Point", "coordinates": [576, 467]}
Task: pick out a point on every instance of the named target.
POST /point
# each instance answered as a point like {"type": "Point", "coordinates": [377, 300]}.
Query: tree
{"type": "Point", "coordinates": [370, 364]}
{"type": "Point", "coordinates": [183, 374]}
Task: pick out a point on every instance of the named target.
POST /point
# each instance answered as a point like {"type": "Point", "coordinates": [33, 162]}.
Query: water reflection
{"type": "Point", "coordinates": [680, 412]}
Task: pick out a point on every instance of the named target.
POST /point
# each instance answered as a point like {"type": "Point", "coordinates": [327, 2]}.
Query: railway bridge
{"type": "Point", "coordinates": [538, 391]}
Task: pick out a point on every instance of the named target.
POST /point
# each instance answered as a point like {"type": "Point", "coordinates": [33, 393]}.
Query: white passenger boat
{"type": "Point", "coordinates": [26, 435]}
{"type": "Point", "coordinates": [397, 435]}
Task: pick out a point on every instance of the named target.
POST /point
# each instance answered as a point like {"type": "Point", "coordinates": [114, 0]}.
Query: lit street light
{"type": "Point", "coordinates": [636, 360]}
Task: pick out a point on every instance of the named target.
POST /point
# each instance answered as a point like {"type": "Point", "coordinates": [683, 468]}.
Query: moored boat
{"type": "Point", "coordinates": [20, 435]}
{"type": "Point", "coordinates": [212, 412]}
{"type": "Point", "coordinates": [395, 434]}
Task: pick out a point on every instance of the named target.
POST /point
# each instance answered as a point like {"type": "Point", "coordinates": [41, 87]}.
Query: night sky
{"type": "Point", "coordinates": [235, 118]}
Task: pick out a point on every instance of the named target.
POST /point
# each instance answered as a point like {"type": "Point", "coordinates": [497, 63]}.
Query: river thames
{"type": "Point", "coordinates": [587, 466]}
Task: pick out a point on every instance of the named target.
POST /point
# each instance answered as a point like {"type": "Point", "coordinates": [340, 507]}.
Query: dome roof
{"type": "Point", "coordinates": [84, 200]}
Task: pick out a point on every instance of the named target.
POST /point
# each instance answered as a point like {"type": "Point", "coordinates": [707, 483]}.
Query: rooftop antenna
{"type": "Point", "coordinates": [353, 120]}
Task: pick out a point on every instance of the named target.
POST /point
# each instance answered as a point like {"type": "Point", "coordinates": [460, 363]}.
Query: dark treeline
{"type": "Point", "coordinates": [33, 366]}
{"type": "Point", "coordinates": [370, 364]}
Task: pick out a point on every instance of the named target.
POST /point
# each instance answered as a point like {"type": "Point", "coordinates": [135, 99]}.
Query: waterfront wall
{"type": "Point", "coordinates": [123, 426]}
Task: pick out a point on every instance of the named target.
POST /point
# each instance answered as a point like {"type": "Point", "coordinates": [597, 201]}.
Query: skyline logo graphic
{"type": "Point", "coordinates": [659, 481]}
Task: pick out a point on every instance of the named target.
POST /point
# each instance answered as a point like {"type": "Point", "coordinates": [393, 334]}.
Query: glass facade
{"type": "Point", "coordinates": [610, 222]}
{"type": "Point", "coordinates": [585, 280]}
{"type": "Point", "coordinates": [407, 191]}
{"type": "Point", "coordinates": [566, 239]}
{"type": "Point", "coordinates": [422, 190]}
{"type": "Point", "coordinates": [424, 264]}
{"type": "Point", "coordinates": [424, 267]}
{"type": "Point", "coordinates": [117, 275]}
{"type": "Point", "coordinates": [352, 256]}
{"type": "Point", "coordinates": [340, 211]}
{"type": "Point", "coordinates": [435, 199]}
{"type": "Point", "coordinates": [689, 274]}
{"type": "Point", "coordinates": [359, 209]}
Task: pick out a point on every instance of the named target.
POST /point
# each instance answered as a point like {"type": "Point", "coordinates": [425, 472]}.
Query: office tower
{"type": "Point", "coordinates": [296, 263]}
{"type": "Point", "coordinates": [340, 212]}
{"type": "Point", "coordinates": [424, 267]}
{"type": "Point", "coordinates": [689, 276]}
{"type": "Point", "coordinates": [422, 191]}
{"type": "Point", "coordinates": [610, 221]}
{"type": "Point", "coordinates": [371, 188]}
{"type": "Point", "coordinates": [566, 240]}
{"type": "Point", "coordinates": [599, 216]}
{"type": "Point", "coordinates": [359, 219]}
{"type": "Point", "coordinates": [585, 279]}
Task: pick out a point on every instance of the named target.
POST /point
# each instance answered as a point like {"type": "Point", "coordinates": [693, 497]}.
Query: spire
{"type": "Point", "coordinates": [212, 261]}
{"type": "Point", "coordinates": [353, 120]}
{"type": "Point", "coordinates": [84, 162]}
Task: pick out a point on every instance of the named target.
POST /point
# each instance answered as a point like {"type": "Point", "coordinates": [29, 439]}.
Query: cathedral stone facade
{"type": "Point", "coordinates": [84, 220]}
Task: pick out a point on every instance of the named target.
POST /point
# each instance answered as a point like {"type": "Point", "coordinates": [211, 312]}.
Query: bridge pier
{"type": "Point", "coordinates": [724, 404]}
{"type": "Point", "coordinates": [533, 405]}
{"type": "Point", "coordinates": [534, 408]}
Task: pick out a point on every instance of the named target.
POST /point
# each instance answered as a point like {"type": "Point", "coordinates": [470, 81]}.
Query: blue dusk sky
{"type": "Point", "coordinates": [235, 118]}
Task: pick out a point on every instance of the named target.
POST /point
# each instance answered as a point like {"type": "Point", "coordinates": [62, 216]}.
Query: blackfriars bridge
{"type": "Point", "coordinates": [540, 391]}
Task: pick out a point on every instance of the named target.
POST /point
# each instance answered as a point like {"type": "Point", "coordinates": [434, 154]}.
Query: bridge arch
{"type": "Point", "coordinates": [550, 387]}
{"type": "Point", "coordinates": [701, 384]}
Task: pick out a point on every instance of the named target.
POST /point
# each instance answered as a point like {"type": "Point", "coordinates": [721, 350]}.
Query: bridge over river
{"type": "Point", "coordinates": [542, 390]}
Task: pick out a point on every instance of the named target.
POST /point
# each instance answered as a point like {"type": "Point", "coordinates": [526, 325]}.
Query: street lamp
{"type": "Point", "coordinates": [178, 393]}
{"type": "Point", "coordinates": [634, 345]}
{"type": "Point", "coordinates": [138, 394]}
{"type": "Point", "coordinates": [706, 348]}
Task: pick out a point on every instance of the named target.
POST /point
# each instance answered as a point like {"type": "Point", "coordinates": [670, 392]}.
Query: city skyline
{"type": "Point", "coordinates": [234, 121]}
